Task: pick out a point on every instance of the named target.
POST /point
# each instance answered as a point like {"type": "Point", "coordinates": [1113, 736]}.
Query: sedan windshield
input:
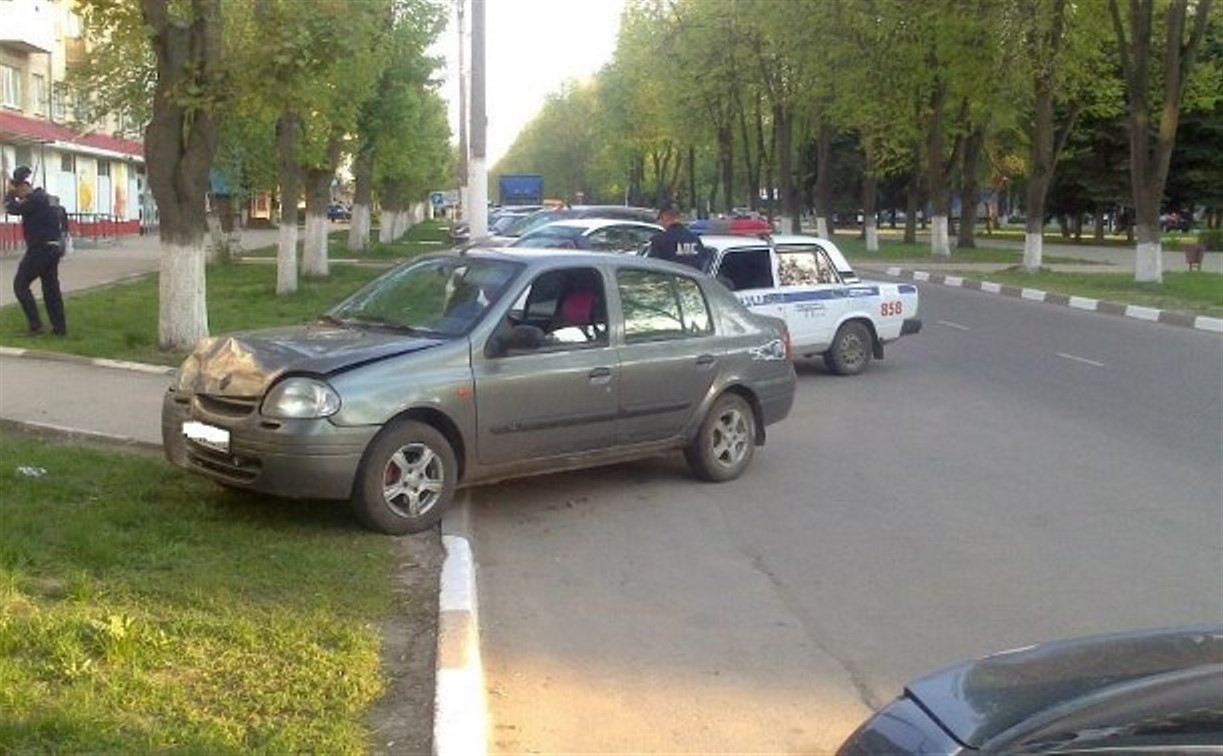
{"type": "Point", "coordinates": [443, 296]}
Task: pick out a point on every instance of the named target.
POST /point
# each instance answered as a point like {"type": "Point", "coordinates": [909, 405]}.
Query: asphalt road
{"type": "Point", "coordinates": [1017, 472]}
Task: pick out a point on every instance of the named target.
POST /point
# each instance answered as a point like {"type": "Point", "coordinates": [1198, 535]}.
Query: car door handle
{"type": "Point", "coordinates": [705, 360]}
{"type": "Point", "coordinates": [600, 375]}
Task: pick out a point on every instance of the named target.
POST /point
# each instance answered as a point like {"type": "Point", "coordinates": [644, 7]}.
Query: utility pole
{"type": "Point", "coordinates": [477, 180]}
{"type": "Point", "coordinates": [460, 5]}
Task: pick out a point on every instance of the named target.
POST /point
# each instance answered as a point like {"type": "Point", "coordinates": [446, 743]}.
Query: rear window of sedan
{"type": "Point", "coordinates": [662, 306]}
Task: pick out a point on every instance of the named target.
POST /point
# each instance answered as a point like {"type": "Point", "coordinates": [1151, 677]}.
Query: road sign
{"type": "Point", "coordinates": [437, 199]}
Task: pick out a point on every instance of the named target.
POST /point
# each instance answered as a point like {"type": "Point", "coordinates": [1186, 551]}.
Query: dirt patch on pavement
{"type": "Point", "coordinates": [402, 721]}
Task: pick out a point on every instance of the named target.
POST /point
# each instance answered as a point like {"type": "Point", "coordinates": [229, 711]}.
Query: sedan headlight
{"type": "Point", "coordinates": [184, 383]}
{"type": "Point", "coordinates": [301, 398]}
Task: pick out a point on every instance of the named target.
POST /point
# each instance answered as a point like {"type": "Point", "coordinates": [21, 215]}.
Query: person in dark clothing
{"type": "Point", "coordinates": [676, 242]}
{"type": "Point", "coordinates": [40, 223]}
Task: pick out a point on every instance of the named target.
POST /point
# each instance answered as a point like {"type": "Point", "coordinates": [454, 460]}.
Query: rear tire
{"type": "Point", "coordinates": [406, 479]}
{"type": "Point", "coordinates": [725, 442]}
{"type": "Point", "coordinates": [851, 349]}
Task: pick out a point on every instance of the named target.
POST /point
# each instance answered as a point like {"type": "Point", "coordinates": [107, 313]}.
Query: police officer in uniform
{"type": "Point", "coordinates": [40, 223]}
{"type": "Point", "coordinates": [676, 242]}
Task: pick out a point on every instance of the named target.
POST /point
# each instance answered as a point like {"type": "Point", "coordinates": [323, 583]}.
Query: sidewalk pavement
{"type": "Point", "coordinates": [92, 266]}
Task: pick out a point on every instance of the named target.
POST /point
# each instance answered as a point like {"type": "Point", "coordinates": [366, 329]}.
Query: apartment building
{"type": "Point", "coordinates": [96, 170]}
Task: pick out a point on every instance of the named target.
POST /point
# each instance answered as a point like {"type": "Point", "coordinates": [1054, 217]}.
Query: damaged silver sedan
{"type": "Point", "coordinates": [457, 370]}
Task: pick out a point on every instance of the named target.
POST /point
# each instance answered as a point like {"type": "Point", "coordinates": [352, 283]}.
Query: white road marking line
{"type": "Point", "coordinates": [1083, 360]}
{"type": "Point", "coordinates": [957, 326]}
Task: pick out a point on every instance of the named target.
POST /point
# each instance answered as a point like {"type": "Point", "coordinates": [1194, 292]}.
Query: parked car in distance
{"type": "Point", "coordinates": [455, 370]}
{"type": "Point", "coordinates": [807, 282]}
{"type": "Point", "coordinates": [1156, 691]}
{"type": "Point", "coordinates": [338, 212]}
{"type": "Point", "coordinates": [594, 234]}
{"type": "Point", "coordinates": [543, 217]}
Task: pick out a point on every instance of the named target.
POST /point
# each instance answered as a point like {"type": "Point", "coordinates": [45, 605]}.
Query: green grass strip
{"type": "Point", "coordinates": [143, 609]}
{"type": "Point", "coordinates": [1193, 292]}
{"type": "Point", "coordinates": [894, 251]}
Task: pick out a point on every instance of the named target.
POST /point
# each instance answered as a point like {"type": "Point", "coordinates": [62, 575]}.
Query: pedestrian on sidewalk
{"type": "Point", "coordinates": [65, 231]}
{"type": "Point", "coordinates": [40, 223]}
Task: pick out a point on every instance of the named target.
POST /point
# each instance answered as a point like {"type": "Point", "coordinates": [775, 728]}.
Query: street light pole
{"type": "Point", "coordinates": [477, 180]}
{"type": "Point", "coordinates": [460, 5]}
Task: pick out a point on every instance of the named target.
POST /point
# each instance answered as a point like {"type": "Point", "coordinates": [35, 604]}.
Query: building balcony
{"type": "Point", "coordinates": [28, 26]}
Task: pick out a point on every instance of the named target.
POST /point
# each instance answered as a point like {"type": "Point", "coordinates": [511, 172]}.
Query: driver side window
{"type": "Point", "coordinates": [568, 305]}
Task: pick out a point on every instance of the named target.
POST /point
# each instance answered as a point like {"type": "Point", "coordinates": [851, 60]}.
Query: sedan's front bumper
{"type": "Point", "coordinates": [296, 459]}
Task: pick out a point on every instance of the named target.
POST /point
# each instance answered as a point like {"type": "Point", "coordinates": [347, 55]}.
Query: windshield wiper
{"type": "Point", "coordinates": [332, 319]}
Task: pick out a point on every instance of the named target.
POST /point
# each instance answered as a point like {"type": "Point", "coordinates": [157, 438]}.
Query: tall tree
{"type": "Point", "coordinates": [1154, 87]}
{"type": "Point", "coordinates": [180, 143]}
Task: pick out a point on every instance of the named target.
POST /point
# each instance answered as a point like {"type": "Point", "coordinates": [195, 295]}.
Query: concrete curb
{"type": "Point", "coordinates": [459, 713]}
{"type": "Point", "coordinates": [77, 435]}
{"type": "Point", "coordinates": [76, 359]}
{"type": "Point", "coordinates": [1151, 314]}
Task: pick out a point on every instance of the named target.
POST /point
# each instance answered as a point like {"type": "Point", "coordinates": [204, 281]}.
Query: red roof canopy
{"type": "Point", "coordinates": [34, 129]}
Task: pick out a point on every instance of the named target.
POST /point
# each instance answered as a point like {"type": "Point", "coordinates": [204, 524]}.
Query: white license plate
{"type": "Point", "coordinates": [207, 435]}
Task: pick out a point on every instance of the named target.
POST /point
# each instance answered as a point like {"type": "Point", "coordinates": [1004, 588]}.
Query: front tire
{"type": "Point", "coordinates": [406, 479]}
{"type": "Point", "coordinates": [725, 442]}
{"type": "Point", "coordinates": [851, 349]}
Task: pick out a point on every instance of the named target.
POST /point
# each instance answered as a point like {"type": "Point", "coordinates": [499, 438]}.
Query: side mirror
{"type": "Point", "coordinates": [520, 337]}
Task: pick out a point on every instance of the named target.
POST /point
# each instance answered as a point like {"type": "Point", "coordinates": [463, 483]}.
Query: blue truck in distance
{"type": "Point", "coordinates": [521, 189]}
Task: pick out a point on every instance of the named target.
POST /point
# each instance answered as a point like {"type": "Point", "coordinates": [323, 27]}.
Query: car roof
{"type": "Point", "coordinates": [547, 258]}
{"type": "Point", "coordinates": [722, 242]}
{"type": "Point", "coordinates": [594, 224]}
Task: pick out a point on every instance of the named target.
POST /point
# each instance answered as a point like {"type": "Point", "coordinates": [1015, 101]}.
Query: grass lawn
{"type": "Point", "coordinates": [120, 322]}
{"type": "Point", "coordinates": [145, 610]}
{"type": "Point", "coordinates": [1193, 292]}
{"type": "Point", "coordinates": [423, 238]}
{"type": "Point", "coordinates": [896, 251]}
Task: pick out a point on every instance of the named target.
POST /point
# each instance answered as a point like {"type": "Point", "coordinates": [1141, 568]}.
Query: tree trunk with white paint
{"type": "Point", "coordinates": [1151, 143]}
{"type": "Point", "coordinates": [1149, 259]}
{"type": "Point", "coordinates": [872, 234]}
{"type": "Point", "coordinates": [180, 145]}
{"type": "Point", "coordinates": [1033, 250]}
{"type": "Point", "coordinates": [940, 240]}
{"type": "Point", "coordinates": [182, 300]}
{"type": "Point", "coordinates": [318, 195]}
{"type": "Point", "coordinates": [386, 226]}
{"type": "Point", "coordinates": [821, 226]}
{"type": "Point", "coordinates": [358, 231]}
{"type": "Point", "coordinates": [290, 183]}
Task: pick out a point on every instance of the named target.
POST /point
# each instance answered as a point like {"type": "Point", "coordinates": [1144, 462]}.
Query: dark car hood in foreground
{"type": "Point", "coordinates": [978, 701]}
{"type": "Point", "coordinates": [244, 364]}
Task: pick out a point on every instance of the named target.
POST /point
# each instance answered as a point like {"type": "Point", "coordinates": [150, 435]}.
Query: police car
{"type": "Point", "coordinates": [806, 281]}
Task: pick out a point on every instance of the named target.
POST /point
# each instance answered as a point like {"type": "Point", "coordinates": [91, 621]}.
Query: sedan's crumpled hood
{"type": "Point", "coordinates": [245, 364]}
{"type": "Point", "coordinates": [977, 700]}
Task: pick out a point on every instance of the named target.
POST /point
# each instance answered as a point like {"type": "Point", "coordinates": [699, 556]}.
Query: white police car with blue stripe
{"type": "Point", "coordinates": [806, 281]}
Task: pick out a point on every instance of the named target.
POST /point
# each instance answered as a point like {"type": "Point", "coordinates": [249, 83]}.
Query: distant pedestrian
{"type": "Point", "coordinates": [40, 223]}
{"type": "Point", "coordinates": [676, 242]}
{"type": "Point", "coordinates": [65, 232]}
